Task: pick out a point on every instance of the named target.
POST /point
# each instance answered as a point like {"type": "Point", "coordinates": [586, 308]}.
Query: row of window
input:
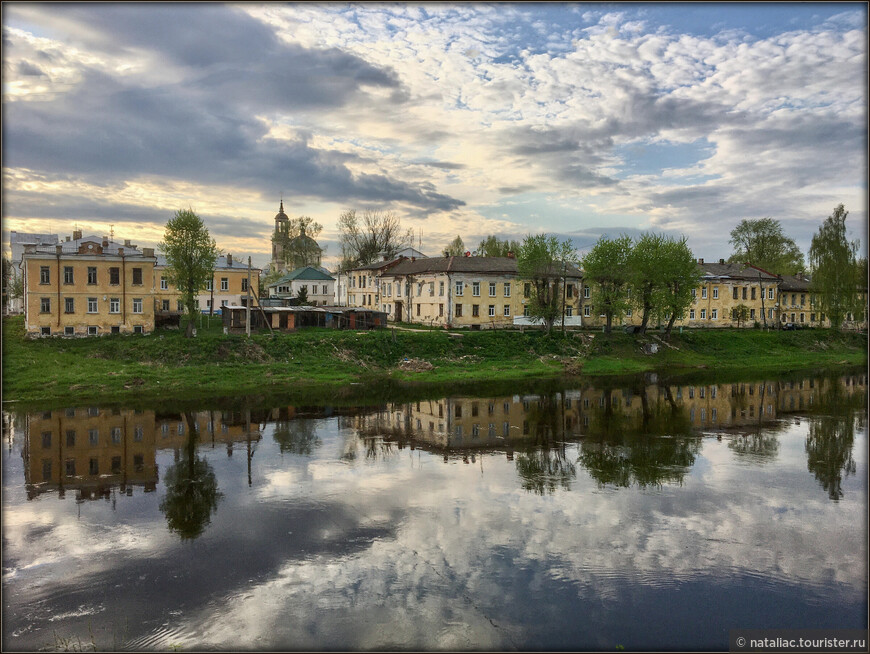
{"type": "Point", "coordinates": [69, 305]}
{"type": "Point", "coordinates": [302, 288]}
{"type": "Point", "coordinates": [93, 330]}
{"type": "Point", "coordinates": [69, 275]}
{"type": "Point", "coordinates": [94, 436]}
{"type": "Point", "coordinates": [93, 466]}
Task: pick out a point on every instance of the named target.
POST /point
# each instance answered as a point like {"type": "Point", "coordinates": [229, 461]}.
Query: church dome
{"type": "Point", "coordinates": [281, 216]}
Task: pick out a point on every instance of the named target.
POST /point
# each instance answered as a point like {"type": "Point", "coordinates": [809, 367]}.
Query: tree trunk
{"type": "Point", "coordinates": [670, 326]}
{"type": "Point", "coordinates": [608, 324]}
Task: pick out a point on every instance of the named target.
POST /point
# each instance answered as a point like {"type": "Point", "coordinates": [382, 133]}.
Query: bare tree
{"type": "Point", "coordinates": [364, 238]}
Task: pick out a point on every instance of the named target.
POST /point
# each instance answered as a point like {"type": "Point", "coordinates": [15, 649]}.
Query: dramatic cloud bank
{"type": "Point", "coordinates": [466, 119]}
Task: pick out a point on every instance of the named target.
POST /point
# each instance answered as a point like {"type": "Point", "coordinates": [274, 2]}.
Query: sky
{"type": "Point", "coordinates": [576, 120]}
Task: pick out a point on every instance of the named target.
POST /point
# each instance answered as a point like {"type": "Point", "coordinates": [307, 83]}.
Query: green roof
{"type": "Point", "coordinates": [304, 273]}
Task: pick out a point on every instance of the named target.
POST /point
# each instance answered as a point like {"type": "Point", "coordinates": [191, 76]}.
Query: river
{"type": "Point", "coordinates": [638, 514]}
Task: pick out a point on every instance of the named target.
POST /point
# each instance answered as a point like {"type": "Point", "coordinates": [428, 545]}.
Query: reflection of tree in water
{"type": "Point", "coordinates": [651, 449]}
{"type": "Point", "coordinates": [831, 437]}
{"type": "Point", "coordinates": [543, 465]}
{"type": "Point", "coordinates": [760, 447]}
{"type": "Point", "coordinates": [378, 449]}
{"type": "Point", "coordinates": [191, 489]}
{"type": "Point", "coordinates": [297, 436]}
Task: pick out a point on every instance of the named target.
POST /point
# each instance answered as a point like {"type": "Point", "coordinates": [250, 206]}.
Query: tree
{"type": "Point", "coordinates": [364, 239]}
{"type": "Point", "coordinates": [647, 265]}
{"type": "Point", "coordinates": [456, 248]}
{"type": "Point", "coordinates": [834, 268]}
{"type": "Point", "coordinates": [545, 262]}
{"type": "Point", "coordinates": [493, 246]}
{"type": "Point", "coordinates": [8, 276]}
{"type": "Point", "coordinates": [740, 313]}
{"type": "Point", "coordinates": [190, 256]}
{"type": "Point", "coordinates": [270, 278]}
{"type": "Point", "coordinates": [302, 296]}
{"type": "Point", "coordinates": [606, 266]}
{"type": "Point", "coordinates": [679, 275]}
{"type": "Point", "coordinates": [762, 243]}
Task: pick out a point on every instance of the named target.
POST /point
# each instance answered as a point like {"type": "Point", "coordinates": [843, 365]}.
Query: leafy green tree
{"type": "Point", "coordinates": [679, 275]}
{"type": "Point", "coordinates": [493, 246]}
{"type": "Point", "coordinates": [190, 256]}
{"type": "Point", "coordinates": [269, 279]}
{"type": "Point", "coordinates": [191, 490]}
{"type": "Point", "coordinates": [544, 261]}
{"type": "Point", "coordinates": [834, 268]}
{"type": "Point", "coordinates": [762, 243]}
{"type": "Point", "coordinates": [647, 267]}
{"type": "Point", "coordinates": [606, 266]}
{"type": "Point", "coordinates": [363, 239]}
{"type": "Point", "coordinates": [740, 313]}
{"type": "Point", "coordinates": [456, 248]}
{"type": "Point", "coordinates": [302, 296]}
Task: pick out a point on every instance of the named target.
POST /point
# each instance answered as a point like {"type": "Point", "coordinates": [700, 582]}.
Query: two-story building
{"type": "Point", "coordinates": [316, 285]}
{"type": "Point", "coordinates": [229, 285]}
{"type": "Point", "coordinates": [88, 286]}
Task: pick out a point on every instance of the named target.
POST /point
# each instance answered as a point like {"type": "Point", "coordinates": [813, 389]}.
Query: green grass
{"type": "Point", "coordinates": [318, 364]}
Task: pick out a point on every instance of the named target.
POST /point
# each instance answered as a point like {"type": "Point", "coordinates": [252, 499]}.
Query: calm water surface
{"type": "Point", "coordinates": [647, 515]}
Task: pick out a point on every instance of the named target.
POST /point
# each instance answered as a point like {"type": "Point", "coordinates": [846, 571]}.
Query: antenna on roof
{"type": "Point", "coordinates": [112, 232]}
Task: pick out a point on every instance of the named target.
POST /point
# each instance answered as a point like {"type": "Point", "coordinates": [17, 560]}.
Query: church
{"type": "Point", "coordinates": [292, 248]}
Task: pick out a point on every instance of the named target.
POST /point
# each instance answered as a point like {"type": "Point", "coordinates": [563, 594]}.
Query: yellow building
{"type": "Point", "coordinates": [228, 286]}
{"type": "Point", "coordinates": [366, 290]}
{"type": "Point", "coordinates": [456, 292]}
{"type": "Point", "coordinates": [729, 295]}
{"type": "Point", "coordinates": [87, 287]}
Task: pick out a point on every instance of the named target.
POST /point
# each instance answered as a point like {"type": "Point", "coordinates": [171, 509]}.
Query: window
{"type": "Point", "coordinates": [165, 305]}
{"type": "Point", "coordinates": [114, 276]}
{"type": "Point", "coordinates": [459, 288]}
{"type": "Point", "coordinates": [527, 290]}
{"type": "Point", "coordinates": [114, 305]}
{"type": "Point", "coordinates": [491, 310]}
{"type": "Point", "coordinates": [70, 467]}
{"type": "Point", "coordinates": [92, 275]}
{"type": "Point", "coordinates": [752, 314]}
{"type": "Point", "coordinates": [628, 313]}
{"type": "Point", "coordinates": [94, 436]}
{"type": "Point", "coordinates": [440, 309]}
{"type": "Point", "coordinates": [92, 305]}
{"type": "Point", "coordinates": [802, 317]}
{"type": "Point", "coordinates": [744, 292]}
{"type": "Point", "coordinates": [753, 293]}
{"type": "Point", "coordinates": [322, 288]}
{"type": "Point", "coordinates": [475, 289]}
{"type": "Point", "coordinates": [69, 305]}
{"type": "Point", "coordinates": [440, 288]}
{"type": "Point", "coordinates": [714, 314]}
{"type": "Point", "coordinates": [210, 283]}
{"type": "Point", "coordinates": [770, 314]}
{"type": "Point", "coordinates": [691, 314]}
{"type": "Point", "coordinates": [92, 330]}
{"type": "Point", "coordinates": [139, 432]}
{"type": "Point", "coordinates": [569, 311]}
{"type": "Point", "coordinates": [507, 310]}
{"type": "Point", "coordinates": [475, 310]}
{"type": "Point", "coordinates": [44, 275]}
{"type": "Point", "coordinates": [138, 462]}
{"type": "Point", "coordinates": [770, 293]}
{"type": "Point", "coordinates": [418, 310]}
{"type": "Point", "coordinates": [715, 292]}
{"type": "Point", "coordinates": [704, 293]}
{"type": "Point", "coordinates": [492, 289]}
{"type": "Point", "coordinates": [703, 314]}
{"type": "Point", "coordinates": [419, 289]}
{"type": "Point", "coordinates": [46, 439]}
{"type": "Point", "coordinates": [225, 284]}
{"type": "Point", "coordinates": [734, 294]}
{"type": "Point", "coordinates": [45, 305]}
{"type": "Point", "coordinates": [587, 311]}
{"type": "Point", "coordinates": [569, 290]}
{"type": "Point", "coordinates": [137, 305]}
{"type": "Point", "coordinates": [67, 275]}
{"type": "Point", "coordinates": [526, 311]}
{"type": "Point", "coordinates": [812, 317]}
{"type": "Point", "coordinates": [507, 289]}
{"type": "Point", "coordinates": [69, 331]}
{"type": "Point", "coordinates": [138, 329]}
{"type": "Point", "coordinates": [587, 292]}
{"type": "Point", "coordinates": [458, 308]}
{"type": "Point", "coordinates": [164, 284]}
{"type": "Point", "coordinates": [116, 435]}
{"type": "Point", "coordinates": [137, 277]}
{"type": "Point", "coordinates": [431, 289]}
{"type": "Point", "coordinates": [803, 298]}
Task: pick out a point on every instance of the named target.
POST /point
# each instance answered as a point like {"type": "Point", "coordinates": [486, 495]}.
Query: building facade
{"type": "Point", "coordinates": [88, 287]}
{"type": "Point", "coordinates": [229, 285]}
{"type": "Point", "coordinates": [318, 287]}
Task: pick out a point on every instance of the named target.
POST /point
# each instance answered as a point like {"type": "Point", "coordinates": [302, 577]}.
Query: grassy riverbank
{"type": "Point", "coordinates": [317, 364]}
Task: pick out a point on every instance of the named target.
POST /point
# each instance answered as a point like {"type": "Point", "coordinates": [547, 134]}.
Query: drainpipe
{"type": "Point", "coordinates": [124, 289]}
{"type": "Point", "coordinates": [57, 251]}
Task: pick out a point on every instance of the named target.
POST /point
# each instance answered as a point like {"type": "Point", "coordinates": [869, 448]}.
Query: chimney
{"type": "Point", "coordinates": [121, 252]}
{"type": "Point", "coordinates": [229, 261]}
{"type": "Point", "coordinates": [700, 261]}
{"type": "Point", "coordinates": [77, 234]}
{"type": "Point", "coordinates": [67, 239]}
{"type": "Point", "coordinates": [147, 252]}
{"type": "Point", "coordinates": [722, 261]}
{"type": "Point", "coordinates": [511, 255]}
{"type": "Point", "coordinates": [105, 242]}
{"type": "Point", "coordinates": [58, 249]}
{"type": "Point", "coordinates": [29, 248]}
{"type": "Point", "coordinates": [127, 243]}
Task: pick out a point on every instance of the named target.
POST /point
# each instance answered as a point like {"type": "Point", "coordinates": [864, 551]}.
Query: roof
{"type": "Point", "coordinates": [378, 265]}
{"type": "Point", "coordinates": [743, 271]}
{"type": "Point", "coordinates": [799, 283]}
{"type": "Point", "coordinates": [306, 273]}
{"type": "Point", "coordinates": [220, 264]}
{"type": "Point", "coordinates": [72, 246]}
{"type": "Point", "coordinates": [32, 239]}
{"type": "Point", "coordinates": [482, 265]}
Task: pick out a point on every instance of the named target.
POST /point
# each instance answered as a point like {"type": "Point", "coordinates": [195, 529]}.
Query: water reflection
{"type": "Point", "coordinates": [191, 489]}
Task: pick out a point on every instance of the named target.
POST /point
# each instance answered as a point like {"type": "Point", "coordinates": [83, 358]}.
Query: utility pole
{"type": "Point", "coordinates": [248, 302]}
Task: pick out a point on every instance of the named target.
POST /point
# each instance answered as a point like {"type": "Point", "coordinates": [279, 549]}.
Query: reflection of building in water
{"type": "Point", "coordinates": [504, 422]}
{"type": "Point", "coordinates": [94, 450]}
